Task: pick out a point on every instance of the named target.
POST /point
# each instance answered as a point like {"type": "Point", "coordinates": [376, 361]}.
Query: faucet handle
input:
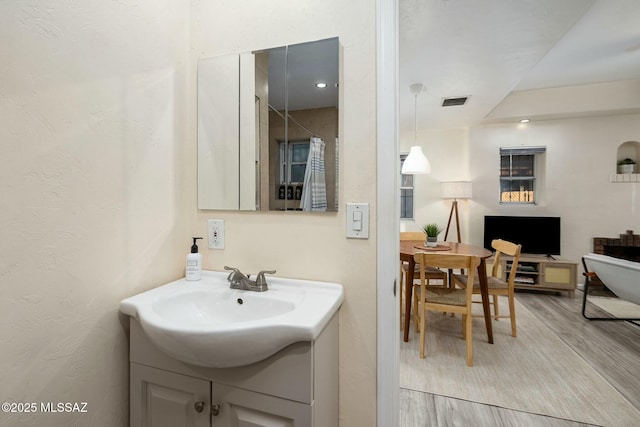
{"type": "Point", "coordinates": [234, 272]}
{"type": "Point", "coordinates": [260, 280]}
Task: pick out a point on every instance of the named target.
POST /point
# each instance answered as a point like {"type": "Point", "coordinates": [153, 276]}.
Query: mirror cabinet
{"type": "Point", "coordinates": [268, 129]}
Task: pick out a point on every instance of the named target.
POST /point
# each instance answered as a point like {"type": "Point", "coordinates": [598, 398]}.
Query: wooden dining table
{"type": "Point", "coordinates": [408, 248]}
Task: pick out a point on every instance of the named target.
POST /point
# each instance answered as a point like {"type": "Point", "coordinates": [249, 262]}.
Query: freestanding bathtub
{"type": "Point", "coordinates": [622, 277]}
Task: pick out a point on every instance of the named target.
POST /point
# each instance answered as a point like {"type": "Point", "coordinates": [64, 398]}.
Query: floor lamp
{"type": "Point", "coordinates": [455, 190]}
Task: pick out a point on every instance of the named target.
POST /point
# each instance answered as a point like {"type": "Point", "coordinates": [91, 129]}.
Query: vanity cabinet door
{"type": "Point", "coordinates": [238, 408]}
{"type": "Point", "coordinates": [164, 399]}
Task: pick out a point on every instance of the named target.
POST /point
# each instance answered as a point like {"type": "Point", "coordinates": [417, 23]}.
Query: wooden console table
{"type": "Point", "coordinates": [539, 272]}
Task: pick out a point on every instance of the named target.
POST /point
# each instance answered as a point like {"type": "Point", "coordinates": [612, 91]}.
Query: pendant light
{"type": "Point", "coordinates": [416, 162]}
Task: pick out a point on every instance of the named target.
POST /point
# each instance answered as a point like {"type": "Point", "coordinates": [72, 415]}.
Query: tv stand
{"type": "Point", "coordinates": [538, 272]}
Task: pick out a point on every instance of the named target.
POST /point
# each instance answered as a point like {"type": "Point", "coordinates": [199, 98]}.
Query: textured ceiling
{"type": "Point", "coordinates": [490, 48]}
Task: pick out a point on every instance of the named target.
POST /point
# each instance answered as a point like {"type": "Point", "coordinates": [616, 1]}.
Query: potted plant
{"type": "Point", "coordinates": [626, 165]}
{"type": "Point", "coordinates": [432, 231]}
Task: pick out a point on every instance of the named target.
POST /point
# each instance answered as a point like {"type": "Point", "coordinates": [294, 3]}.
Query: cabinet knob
{"type": "Point", "coordinates": [199, 406]}
{"type": "Point", "coordinates": [215, 410]}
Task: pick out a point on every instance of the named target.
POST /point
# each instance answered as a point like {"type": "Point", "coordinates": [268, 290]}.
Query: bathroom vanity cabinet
{"type": "Point", "coordinates": [298, 386]}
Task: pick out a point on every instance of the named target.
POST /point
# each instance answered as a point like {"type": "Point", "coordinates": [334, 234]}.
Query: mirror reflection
{"type": "Point", "coordinates": [268, 129]}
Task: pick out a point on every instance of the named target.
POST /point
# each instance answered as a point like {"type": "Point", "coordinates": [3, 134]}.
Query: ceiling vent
{"type": "Point", "coordinates": [450, 102]}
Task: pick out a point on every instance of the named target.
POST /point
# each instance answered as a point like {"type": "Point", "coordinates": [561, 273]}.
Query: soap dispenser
{"type": "Point", "coordinates": [194, 262]}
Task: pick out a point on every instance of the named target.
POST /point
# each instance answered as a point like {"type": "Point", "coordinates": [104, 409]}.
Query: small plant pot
{"type": "Point", "coordinates": [626, 168]}
{"type": "Point", "coordinates": [432, 242]}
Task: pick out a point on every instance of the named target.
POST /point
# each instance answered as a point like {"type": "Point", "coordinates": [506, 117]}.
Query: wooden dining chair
{"type": "Point", "coordinates": [445, 299]}
{"type": "Point", "coordinates": [498, 286]}
{"type": "Point", "coordinates": [430, 272]}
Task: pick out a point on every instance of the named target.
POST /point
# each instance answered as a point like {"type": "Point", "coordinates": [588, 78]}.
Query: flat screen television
{"type": "Point", "coordinates": [536, 234]}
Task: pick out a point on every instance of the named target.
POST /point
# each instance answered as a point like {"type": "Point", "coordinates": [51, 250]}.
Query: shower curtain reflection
{"type": "Point", "coordinates": [314, 190]}
{"type": "Point", "coordinates": [288, 156]}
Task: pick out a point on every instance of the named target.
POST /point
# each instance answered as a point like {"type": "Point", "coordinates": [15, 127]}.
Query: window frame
{"type": "Point", "coordinates": [535, 153]}
{"type": "Point", "coordinates": [404, 189]}
{"type": "Point", "coordinates": [286, 156]}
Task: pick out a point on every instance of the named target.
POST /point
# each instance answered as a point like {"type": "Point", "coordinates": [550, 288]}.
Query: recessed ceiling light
{"type": "Point", "coordinates": [525, 120]}
{"type": "Point", "coordinates": [321, 85]}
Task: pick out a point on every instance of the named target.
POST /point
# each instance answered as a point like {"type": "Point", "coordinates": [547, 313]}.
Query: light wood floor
{"type": "Point", "coordinates": [611, 348]}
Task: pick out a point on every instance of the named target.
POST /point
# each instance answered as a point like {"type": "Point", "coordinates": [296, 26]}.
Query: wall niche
{"type": "Point", "coordinates": [629, 150]}
{"type": "Point", "coordinates": [627, 167]}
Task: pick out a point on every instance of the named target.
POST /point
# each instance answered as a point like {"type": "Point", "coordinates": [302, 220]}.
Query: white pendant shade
{"type": "Point", "coordinates": [416, 162]}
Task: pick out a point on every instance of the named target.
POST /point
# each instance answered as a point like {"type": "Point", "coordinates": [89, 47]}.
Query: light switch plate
{"type": "Point", "coordinates": [215, 233]}
{"type": "Point", "coordinates": [357, 220]}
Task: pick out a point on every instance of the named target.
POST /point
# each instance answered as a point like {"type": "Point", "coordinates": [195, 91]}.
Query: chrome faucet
{"type": "Point", "coordinates": [237, 280]}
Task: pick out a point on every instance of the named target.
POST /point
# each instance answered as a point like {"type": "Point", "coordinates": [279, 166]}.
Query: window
{"type": "Point", "coordinates": [518, 174]}
{"type": "Point", "coordinates": [406, 193]}
{"type": "Point", "coordinates": [293, 161]}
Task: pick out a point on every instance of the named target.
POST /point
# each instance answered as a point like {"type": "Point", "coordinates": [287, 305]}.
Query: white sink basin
{"type": "Point", "coordinates": [205, 323]}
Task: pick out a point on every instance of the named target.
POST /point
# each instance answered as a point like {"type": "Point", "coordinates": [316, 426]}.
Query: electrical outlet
{"type": "Point", "coordinates": [216, 233]}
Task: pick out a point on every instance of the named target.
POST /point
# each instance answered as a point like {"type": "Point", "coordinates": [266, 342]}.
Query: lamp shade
{"type": "Point", "coordinates": [416, 162]}
{"type": "Point", "coordinates": [455, 190]}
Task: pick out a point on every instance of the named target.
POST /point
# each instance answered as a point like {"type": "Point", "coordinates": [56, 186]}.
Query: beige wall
{"type": "Point", "coordinates": [92, 207]}
{"type": "Point", "coordinates": [581, 154]}
{"type": "Point", "coordinates": [303, 244]}
{"type": "Point", "coordinates": [98, 187]}
{"type": "Point", "coordinates": [448, 154]}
